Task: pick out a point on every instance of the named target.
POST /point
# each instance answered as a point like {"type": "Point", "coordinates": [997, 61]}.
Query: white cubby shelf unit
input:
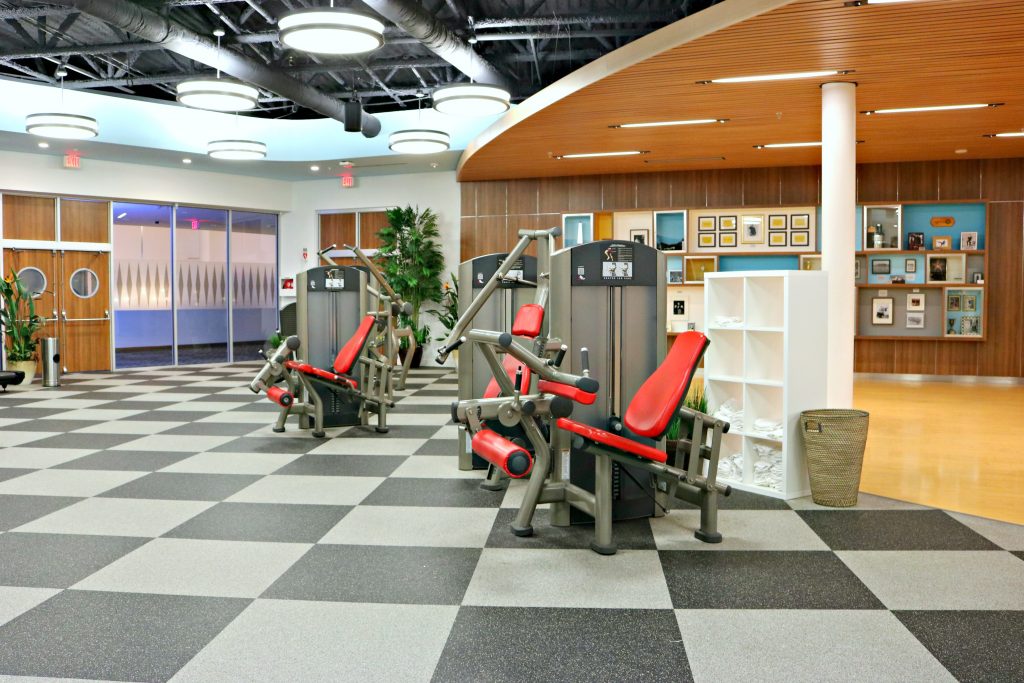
{"type": "Point", "coordinates": [768, 355]}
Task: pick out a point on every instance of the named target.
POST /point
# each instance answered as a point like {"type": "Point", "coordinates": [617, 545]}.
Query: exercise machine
{"type": "Point", "coordinates": [506, 291]}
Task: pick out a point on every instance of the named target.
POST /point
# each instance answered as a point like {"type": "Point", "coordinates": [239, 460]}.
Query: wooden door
{"type": "Point", "coordinates": [38, 270]}
{"type": "Point", "coordinates": [84, 298]}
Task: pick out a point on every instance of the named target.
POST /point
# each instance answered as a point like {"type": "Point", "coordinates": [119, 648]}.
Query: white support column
{"type": "Point", "coordinates": [838, 228]}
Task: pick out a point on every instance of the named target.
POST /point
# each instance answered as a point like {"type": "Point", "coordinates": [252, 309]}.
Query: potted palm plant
{"type": "Point", "coordinates": [448, 314]}
{"type": "Point", "coordinates": [411, 258]}
{"type": "Point", "coordinates": [20, 324]}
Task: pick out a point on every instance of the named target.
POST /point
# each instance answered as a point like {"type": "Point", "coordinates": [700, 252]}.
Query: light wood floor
{"type": "Point", "coordinates": [952, 446]}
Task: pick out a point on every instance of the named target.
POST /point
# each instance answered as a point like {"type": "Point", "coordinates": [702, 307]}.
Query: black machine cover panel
{"type": "Point", "coordinates": [485, 266]}
{"type": "Point", "coordinates": [614, 263]}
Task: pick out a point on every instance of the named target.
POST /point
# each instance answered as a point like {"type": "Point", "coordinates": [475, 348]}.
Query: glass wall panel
{"type": "Point", "coordinates": [143, 316]}
{"type": "Point", "coordinates": [253, 281]}
{"type": "Point", "coordinates": [201, 287]}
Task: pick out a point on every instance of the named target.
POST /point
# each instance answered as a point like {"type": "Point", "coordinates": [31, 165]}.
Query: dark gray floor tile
{"type": "Point", "coordinates": [262, 522]}
{"type": "Point", "coordinates": [1019, 553]}
{"type": "Point", "coordinates": [324, 464]}
{"type": "Point", "coordinates": [116, 636]}
{"type": "Point", "coordinates": [260, 407]}
{"type": "Point", "coordinates": [50, 425]}
{"type": "Point", "coordinates": [19, 411]}
{"type": "Point", "coordinates": [12, 472]}
{"type": "Point", "coordinates": [131, 461]}
{"type": "Point", "coordinates": [425, 410]}
{"type": "Point", "coordinates": [142, 405]}
{"type": "Point", "coordinates": [433, 390]}
{"type": "Point", "coordinates": [18, 510]}
{"type": "Point", "coordinates": [893, 530]}
{"type": "Point", "coordinates": [57, 560]}
{"type": "Point", "coordinates": [267, 444]}
{"type": "Point", "coordinates": [394, 432]}
{"type": "Point", "coordinates": [359, 573]}
{"type": "Point", "coordinates": [216, 397]}
{"type": "Point", "coordinates": [763, 580]}
{"type": "Point", "coordinates": [982, 646]}
{"type": "Point", "coordinates": [434, 493]}
{"type": "Point", "coordinates": [739, 500]}
{"type": "Point", "coordinates": [180, 486]}
{"type": "Point", "coordinates": [167, 415]}
{"type": "Point", "coordinates": [512, 644]}
{"type": "Point", "coordinates": [632, 534]}
{"type": "Point", "coordinates": [92, 441]}
{"type": "Point", "coordinates": [438, 447]}
{"type": "Point", "coordinates": [213, 429]}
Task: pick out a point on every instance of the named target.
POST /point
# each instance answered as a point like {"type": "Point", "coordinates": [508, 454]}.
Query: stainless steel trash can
{"type": "Point", "coordinates": [50, 355]}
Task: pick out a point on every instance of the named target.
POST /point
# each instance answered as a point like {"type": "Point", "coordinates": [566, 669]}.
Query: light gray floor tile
{"type": "Point", "coordinates": [100, 414]}
{"type": "Point", "coordinates": [174, 443]}
{"type": "Point", "coordinates": [312, 490]}
{"type": "Point", "coordinates": [241, 416]}
{"type": "Point", "coordinates": [128, 427]}
{"type": "Point", "coordinates": [118, 517]}
{"type": "Point", "coordinates": [15, 600]}
{"type": "Point", "coordinates": [67, 403]}
{"type": "Point", "coordinates": [1003, 534]}
{"type": "Point", "coordinates": [67, 482]}
{"type": "Point", "coordinates": [345, 445]}
{"type": "Point", "coordinates": [13, 438]}
{"type": "Point", "coordinates": [514, 494]}
{"type": "Point", "coordinates": [177, 566]}
{"type": "Point", "coordinates": [39, 458]}
{"type": "Point", "coordinates": [941, 579]}
{"type": "Point", "coordinates": [424, 400]}
{"type": "Point", "coordinates": [8, 421]}
{"type": "Point", "coordinates": [144, 388]}
{"type": "Point", "coordinates": [414, 526]}
{"type": "Point", "coordinates": [283, 640]}
{"type": "Point", "coordinates": [233, 463]}
{"type": "Point", "coordinates": [568, 578]}
{"type": "Point", "coordinates": [435, 467]}
{"type": "Point", "coordinates": [413, 420]}
{"type": "Point", "coordinates": [168, 396]}
{"type": "Point", "coordinates": [740, 529]}
{"type": "Point", "coordinates": [804, 646]}
{"type": "Point", "coordinates": [203, 406]}
{"type": "Point", "coordinates": [865, 501]}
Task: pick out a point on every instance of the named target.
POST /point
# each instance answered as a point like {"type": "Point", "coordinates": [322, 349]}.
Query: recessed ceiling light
{"type": "Point", "coordinates": [592, 155]}
{"type": "Point", "coordinates": [186, 160]}
{"type": "Point", "coordinates": [683, 160]}
{"type": "Point", "coordinates": [122, 215]}
{"type": "Point", "coordinates": [331, 30]}
{"type": "Point", "coordinates": [778, 77]}
{"type": "Point", "coordinates": [236, 150]}
{"type": "Point", "coordinates": [861, 3]}
{"type": "Point", "coordinates": [783, 145]}
{"type": "Point", "coordinates": [960, 151]}
{"type": "Point", "coordinates": [1011, 134]}
{"type": "Point", "coordinates": [44, 145]}
{"type": "Point", "coordinates": [658, 124]}
{"type": "Point", "coordinates": [314, 168]}
{"type": "Point", "coordinates": [944, 107]}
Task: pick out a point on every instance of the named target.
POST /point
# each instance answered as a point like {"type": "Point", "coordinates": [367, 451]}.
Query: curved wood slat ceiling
{"type": "Point", "coordinates": [925, 53]}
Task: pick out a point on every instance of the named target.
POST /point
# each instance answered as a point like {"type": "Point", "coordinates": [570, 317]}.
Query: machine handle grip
{"type": "Point", "coordinates": [561, 356]}
{"type": "Point", "coordinates": [327, 249]}
{"type": "Point", "coordinates": [585, 359]}
{"type": "Point", "coordinates": [519, 379]}
{"type": "Point", "coordinates": [442, 353]}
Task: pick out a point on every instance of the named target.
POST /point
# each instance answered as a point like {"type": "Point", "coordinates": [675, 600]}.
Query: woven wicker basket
{"type": "Point", "coordinates": [834, 441]}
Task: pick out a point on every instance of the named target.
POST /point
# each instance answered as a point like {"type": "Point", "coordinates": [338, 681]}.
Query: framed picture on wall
{"type": "Point", "coordinates": [800, 238]}
{"type": "Point", "coordinates": [706, 240]}
{"type": "Point", "coordinates": [953, 303]}
{"type": "Point", "coordinates": [675, 277]}
{"type": "Point", "coordinates": [753, 229]}
{"type": "Point", "coordinates": [881, 311]}
{"type": "Point", "coordinates": [942, 243]}
{"type": "Point", "coordinates": [970, 326]}
{"type": "Point", "coordinates": [915, 321]}
{"type": "Point", "coordinates": [640, 235]}
{"type": "Point", "coordinates": [969, 302]}
{"type": "Point", "coordinates": [915, 241]}
{"type": "Point", "coordinates": [910, 266]}
{"type": "Point", "coordinates": [777, 239]}
{"type": "Point", "coordinates": [706, 224]}
{"type": "Point", "coordinates": [969, 241]}
{"type": "Point", "coordinates": [800, 221]}
{"type": "Point", "coordinates": [881, 266]}
{"type": "Point", "coordinates": [727, 239]}
{"type": "Point", "coordinates": [937, 269]}
{"type": "Point", "coordinates": [727, 223]}
{"type": "Point", "coordinates": [778, 222]}
{"type": "Point", "coordinates": [915, 302]}
{"type": "Point", "coordinates": [856, 269]}
{"type": "Point", "coordinates": [977, 277]}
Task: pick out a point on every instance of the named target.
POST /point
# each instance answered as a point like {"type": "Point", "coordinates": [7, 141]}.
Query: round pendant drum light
{"type": "Point", "coordinates": [419, 141]}
{"type": "Point", "coordinates": [471, 99]}
{"type": "Point", "coordinates": [217, 94]}
{"type": "Point", "coordinates": [65, 126]}
{"type": "Point", "coordinates": [236, 150]}
{"type": "Point", "coordinates": [330, 30]}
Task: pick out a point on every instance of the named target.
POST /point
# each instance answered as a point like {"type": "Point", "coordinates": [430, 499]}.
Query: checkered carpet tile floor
{"type": "Point", "coordinates": [153, 528]}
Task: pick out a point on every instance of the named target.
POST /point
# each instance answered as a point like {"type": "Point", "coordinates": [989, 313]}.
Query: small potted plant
{"type": "Point", "coordinates": [448, 314]}
{"type": "Point", "coordinates": [20, 324]}
{"type": "Point", "coordinates": [411, 258]}
{"type": "Point", "coordinates": [697, 400]}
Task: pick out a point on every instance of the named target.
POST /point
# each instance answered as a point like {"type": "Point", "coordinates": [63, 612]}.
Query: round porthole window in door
{"type": "Point", "coordinates": [33, 279]}
{"type": "Point", "coordinates": [84, 283]}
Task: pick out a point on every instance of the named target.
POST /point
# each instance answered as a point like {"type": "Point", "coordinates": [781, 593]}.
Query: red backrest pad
{"type": "Point", "coordinates": [346, 358]}
{"type": "Point", "coordinates": [529, 320]}
{"type": "Point", "coordinates": [659, 397]}
{"type": "Point", "coordinates": [511, 365]}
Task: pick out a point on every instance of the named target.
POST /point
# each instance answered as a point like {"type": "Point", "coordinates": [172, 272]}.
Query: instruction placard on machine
{"type": "Point", "coordinates": [334, 279]}
{"type": "Point", "coordinates": [516, 272]}
{"type": "Point", "coordinates": [617, 262]}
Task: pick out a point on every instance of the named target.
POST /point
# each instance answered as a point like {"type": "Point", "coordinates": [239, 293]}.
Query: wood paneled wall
{"type": "Point", "coordinates": [84, 220]}
{"type": "Point", "coordinates": [29, 218]}
{"type": "Point", "coordinates": [493, 212]}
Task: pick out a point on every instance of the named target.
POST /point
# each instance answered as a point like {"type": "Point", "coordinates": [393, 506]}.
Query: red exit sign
{"type": "Point", "coordinates": [72, 159]}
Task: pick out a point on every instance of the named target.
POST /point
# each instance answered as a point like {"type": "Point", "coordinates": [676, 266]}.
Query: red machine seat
{"type": "Point", "coordinates": [346, 358]}
{"type": "Point", "coordinates": [659, 397]}
{"type": "Point", "coordinates": [326, 375]}
{"type": "Point", "coordinates": [529, 320]}
{"type": "Point", "coordinates": [566, 391]}
{"type": "Point", "coordinates": [612, 440]}
{"type": "Point", "coordinates": [511, 459]}
{"type": "Point", "coordinates": [511, 365]}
